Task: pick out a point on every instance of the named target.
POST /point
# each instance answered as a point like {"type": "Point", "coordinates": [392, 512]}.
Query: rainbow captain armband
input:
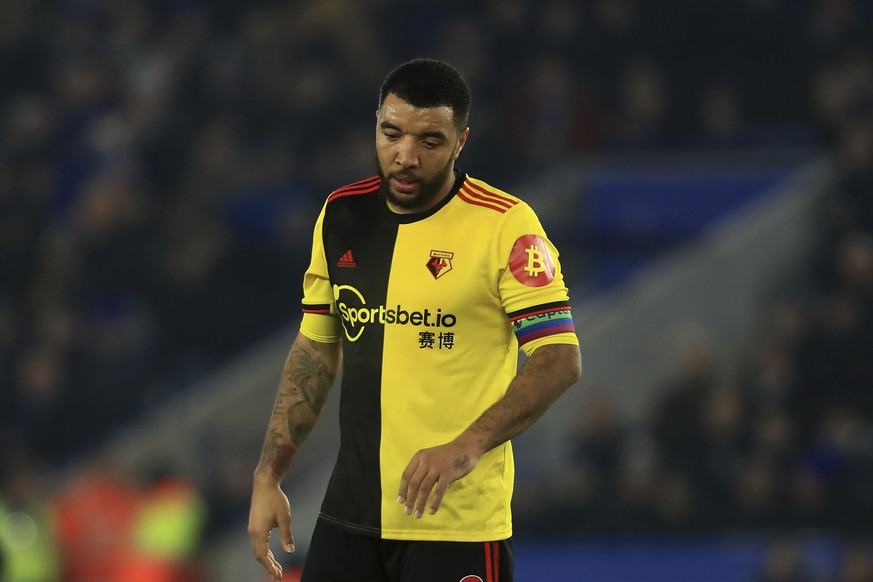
{"type": "Point", "coordinates": [542, 321]}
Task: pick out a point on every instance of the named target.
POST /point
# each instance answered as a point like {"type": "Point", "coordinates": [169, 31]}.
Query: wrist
{"type": "Point", "coordinates": [275, 461]}
{"type": "Point", "coordinates": [266, 478]}
{"type": "Point", "coordinates": [474, 442]}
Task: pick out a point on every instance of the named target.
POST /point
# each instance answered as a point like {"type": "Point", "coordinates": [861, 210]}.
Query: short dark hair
{"type": "Point", "coordinates": [430, 83]}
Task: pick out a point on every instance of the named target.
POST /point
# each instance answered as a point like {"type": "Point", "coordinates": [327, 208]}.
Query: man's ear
{"type": "Point", "coordinates": [462, 139]}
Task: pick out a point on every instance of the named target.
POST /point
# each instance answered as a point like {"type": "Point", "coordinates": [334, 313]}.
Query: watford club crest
{"type": "Point", "coordinates": [439, 263]}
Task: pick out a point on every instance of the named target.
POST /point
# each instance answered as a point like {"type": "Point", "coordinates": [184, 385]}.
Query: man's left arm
{"type": "Point", "coordinates": [544, 376]}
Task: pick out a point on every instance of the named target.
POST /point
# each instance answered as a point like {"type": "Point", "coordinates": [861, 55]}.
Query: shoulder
{"type": "Point", "coordinates": [489, 203]}
{"type": "Point", "coordinates": [361, 187]}
{"type": "Point", "coordinates": [351, 204]}
{"type": "Point", "coordinates": [481, 194]}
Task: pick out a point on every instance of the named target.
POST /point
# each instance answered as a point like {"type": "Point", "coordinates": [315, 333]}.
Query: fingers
{"type": "Point", "coordinates": [405, 478]}
{"type": "Point", "coordinates": [270, 509]}
{"type": "Point", "coordinates": [420, 478]}
{"type": "Point", "coordinates": [285, 535]}
{"type": "Point", "coordinates": [417, 492]}
{"type": "Point", "coordinates": [438, 493]}
{"type": "Point", "coordinates": [424, 490]}
{"type": "Point", "coordinates": [261, 547]}
{"type": "Point", "coordinates": [409, 484]}
{"type": "Point", "coordinates": [260, 544]}
{"type": "Point", "coordinates": [273, 567]}
{"type": "Point", "coordinates": [413, 483]}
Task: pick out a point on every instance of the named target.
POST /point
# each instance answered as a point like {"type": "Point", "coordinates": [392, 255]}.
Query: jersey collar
{"type": "Point", "coordinates": [398, 218]}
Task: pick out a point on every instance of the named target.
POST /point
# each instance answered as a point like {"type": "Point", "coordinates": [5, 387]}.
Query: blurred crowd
{"type": "Point", "coordinates": [161, 163]}
{"type": "Point", "coordinates": [781, 441]}
{"type": "Point", "coordinates": [105, 524]}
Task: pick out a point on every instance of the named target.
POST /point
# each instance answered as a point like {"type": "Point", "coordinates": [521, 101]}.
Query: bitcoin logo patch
{"type": "Point", "coordinates": [531, 262]}
{"type": "Point", "coordinates": [535, 264]}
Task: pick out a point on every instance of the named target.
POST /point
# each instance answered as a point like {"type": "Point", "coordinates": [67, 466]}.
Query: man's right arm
{"type": "Point", "coordinates": [309, 373]}
{"type": "Point", "coordinates": [310, 370]}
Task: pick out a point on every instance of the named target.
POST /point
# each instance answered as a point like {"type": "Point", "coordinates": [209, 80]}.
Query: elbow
{"type": "Point", "coordinates": [567, 363]}
{"type": "Point", "coordinates": [562, 362]}
{"type": "Point", "coordinates": [575, 365]}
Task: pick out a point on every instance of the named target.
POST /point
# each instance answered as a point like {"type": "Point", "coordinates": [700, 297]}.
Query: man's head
{"type": "Point", "coordinates": [430, 83]}
{"type": "Point", "coordinates": [421, 128]}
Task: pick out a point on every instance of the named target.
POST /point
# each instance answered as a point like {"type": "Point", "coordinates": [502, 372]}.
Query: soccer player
{"type": "Point", "coordinates": [424, 282]}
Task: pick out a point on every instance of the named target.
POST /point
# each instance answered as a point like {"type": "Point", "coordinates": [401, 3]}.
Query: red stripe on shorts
{"type": "Point", "coordinates": [488, 573]}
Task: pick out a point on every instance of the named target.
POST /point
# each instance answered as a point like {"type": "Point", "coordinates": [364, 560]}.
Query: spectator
{"type": "Point", "coordinates": [28, 537]}
{"type": "Point", "coordinates": [785, 563]}
{"type": "Point", "coordinates": [676, 418]}
{"type": "Point", "coordinates": [166, 533]}
{"type": "Point", "coordinates": [95, 512]}
{"type": "Point", "coordinates": [856, 563]}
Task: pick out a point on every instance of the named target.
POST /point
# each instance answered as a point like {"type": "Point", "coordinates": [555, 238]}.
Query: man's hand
{"type": "Point", "coordinates": [270, 509]}
{"type": "Point", "coordinates": [433, 470]}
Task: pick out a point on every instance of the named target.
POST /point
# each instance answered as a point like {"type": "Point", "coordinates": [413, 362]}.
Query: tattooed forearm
{"type": "Point", "coordinates": [277, 455]}
{"type": "Point", "coordinates": [309, 373]}
{"type": "Point", "coordinates": [310, 377]}
{"type": "Point", "coordinates": [309, 380]}
{"type": "Point", "coordinates": [300, 423]}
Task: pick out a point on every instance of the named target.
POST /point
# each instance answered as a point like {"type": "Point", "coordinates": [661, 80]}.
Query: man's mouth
{"type": "Point", "coordinates": [404, 184]}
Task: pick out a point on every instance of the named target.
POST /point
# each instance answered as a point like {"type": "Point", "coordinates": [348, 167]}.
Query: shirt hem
{"type": "Point", "coordinates": [446, 536]}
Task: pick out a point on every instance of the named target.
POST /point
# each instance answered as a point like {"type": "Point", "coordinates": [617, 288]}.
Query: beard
{"type": "Point", "coordinates": [426, 195]}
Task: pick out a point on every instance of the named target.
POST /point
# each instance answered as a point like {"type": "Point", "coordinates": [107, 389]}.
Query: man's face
{"type": "Point", "coordinates": [416, 149]}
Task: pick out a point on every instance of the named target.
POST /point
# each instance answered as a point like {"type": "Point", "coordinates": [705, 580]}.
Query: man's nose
{"type": "Point", "coordinates": [407, 153]}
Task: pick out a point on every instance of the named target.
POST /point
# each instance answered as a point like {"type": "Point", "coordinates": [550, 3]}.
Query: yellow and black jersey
{"type": "Point", "coordinates": [431, 309]}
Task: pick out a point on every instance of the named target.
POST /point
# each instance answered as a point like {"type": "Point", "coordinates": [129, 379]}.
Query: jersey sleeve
{"type": "Point", "coordinates": [320, 322]}
{"type": "Point", "coordinates": [531, 284]}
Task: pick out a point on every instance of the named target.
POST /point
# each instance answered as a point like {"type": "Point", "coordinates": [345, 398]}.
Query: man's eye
{"type": "Point", "coordinates": [431, 145]}
{"type": "Point", "coordinates": [392, 136]}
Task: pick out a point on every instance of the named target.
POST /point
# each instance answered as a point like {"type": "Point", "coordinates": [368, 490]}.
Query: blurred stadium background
{"type": "Point", "coordinates": [705, 166]}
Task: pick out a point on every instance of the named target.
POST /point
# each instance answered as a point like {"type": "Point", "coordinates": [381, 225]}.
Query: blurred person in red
{"type": "Point", "coordinates": [165, 533]}
{"type": "Point", "coordinates": [95, 513]}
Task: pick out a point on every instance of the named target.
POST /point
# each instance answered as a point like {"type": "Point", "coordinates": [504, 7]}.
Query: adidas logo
{"type": "Point", "coordinates": [347, 260]}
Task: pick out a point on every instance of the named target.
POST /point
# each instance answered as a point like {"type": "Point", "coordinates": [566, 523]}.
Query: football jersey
{"type": "Point", "coordinates": [431, 309]}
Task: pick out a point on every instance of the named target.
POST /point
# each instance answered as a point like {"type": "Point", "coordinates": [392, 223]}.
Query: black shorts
{"type": "Point", "coordinates": [336, 555]}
